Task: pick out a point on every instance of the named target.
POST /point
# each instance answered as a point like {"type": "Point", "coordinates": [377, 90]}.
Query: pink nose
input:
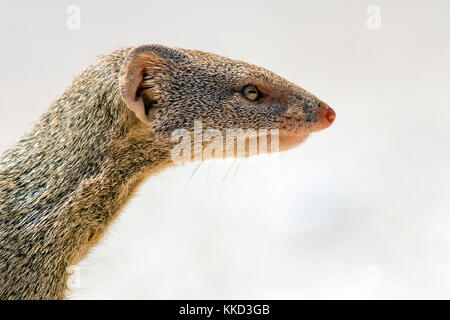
{"type": "Point", "coordinates": [329, 113]}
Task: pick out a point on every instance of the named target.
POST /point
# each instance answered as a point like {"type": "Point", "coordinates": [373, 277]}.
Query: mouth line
{"type": "Point", "coordinates": [293, 132]}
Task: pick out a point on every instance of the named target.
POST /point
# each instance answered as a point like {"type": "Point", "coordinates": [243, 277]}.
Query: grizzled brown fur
{"type": "Point", "coordinates": [64, 182]}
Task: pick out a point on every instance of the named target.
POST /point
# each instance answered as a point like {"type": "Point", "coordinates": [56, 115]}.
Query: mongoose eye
{"type": "Point", "coordinates": [251, 92]}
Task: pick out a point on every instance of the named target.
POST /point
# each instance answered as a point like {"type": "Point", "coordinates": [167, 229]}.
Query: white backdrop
{"type": "Point", "coordinates": [360, 210]}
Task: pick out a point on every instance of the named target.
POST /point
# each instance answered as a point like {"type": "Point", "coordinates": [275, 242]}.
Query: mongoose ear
{"type": "Point", "coordinates": [140, 81]}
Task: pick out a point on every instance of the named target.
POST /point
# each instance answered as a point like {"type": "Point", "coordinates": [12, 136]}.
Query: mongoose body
{"type": "Point", "coordinates": [65, 181]}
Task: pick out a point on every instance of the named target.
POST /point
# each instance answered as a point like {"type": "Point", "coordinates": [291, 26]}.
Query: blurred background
{"type": "Point", "coordinates": [360, 210]}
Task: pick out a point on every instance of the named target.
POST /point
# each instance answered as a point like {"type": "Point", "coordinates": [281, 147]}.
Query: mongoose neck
{"type": "Point", "coordinates": [66, 180]}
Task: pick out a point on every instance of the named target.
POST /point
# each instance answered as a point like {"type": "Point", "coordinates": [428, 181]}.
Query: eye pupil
{"type": "Point", "coordinates": [250, 92]}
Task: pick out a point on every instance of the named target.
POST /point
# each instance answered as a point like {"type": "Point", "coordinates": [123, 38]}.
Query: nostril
{"type": "Point", "coordinates": [330, 114]}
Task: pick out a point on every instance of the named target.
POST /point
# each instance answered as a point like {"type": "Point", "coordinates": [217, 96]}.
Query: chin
{"type": "Point", "coordinates": [291, 139]}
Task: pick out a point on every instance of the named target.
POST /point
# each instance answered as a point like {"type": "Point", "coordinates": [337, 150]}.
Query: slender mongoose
{"type": "Point", "coordinates": [65, 181]}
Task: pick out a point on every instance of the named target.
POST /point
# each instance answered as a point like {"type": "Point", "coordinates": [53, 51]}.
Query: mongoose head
{"type": "Point", "coordinates": [169, 89]}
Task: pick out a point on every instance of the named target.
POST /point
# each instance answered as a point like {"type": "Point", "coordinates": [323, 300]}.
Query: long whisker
{"type": "Point", "coordinates": [209, 170]}
{"type": "Point", "coordinates": [222, 48]}
{"type": "Point", "coordinates": [190, 179]}
{"type": "Point", "coordinates": [235, 172]}
{"type": "Point", "coordinates": [223, 181]}
{"type": "Point", "coordinates": [295, 76]}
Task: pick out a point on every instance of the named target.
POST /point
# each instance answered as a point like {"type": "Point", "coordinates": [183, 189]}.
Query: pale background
{"type": "Point", "coordinates": [361, 210]}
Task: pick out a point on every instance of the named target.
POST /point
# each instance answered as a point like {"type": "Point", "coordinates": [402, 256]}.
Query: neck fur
{"type": "Point", "coordinates": [64, 182]}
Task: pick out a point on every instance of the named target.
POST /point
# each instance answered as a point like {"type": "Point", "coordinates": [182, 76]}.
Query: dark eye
{"type": "Point", "coordinates": [251, 92]}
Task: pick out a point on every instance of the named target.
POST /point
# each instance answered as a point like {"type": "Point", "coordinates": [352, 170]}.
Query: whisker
{"type": "Point", "coordinates": [190, 179]}
{"type": "Point", "coordinates": [295, 76]}
{"type": "Point", "coordinates": [223, 181]}
{"type": "Point", "coordinates": [237, 169]}
{"type": "Point", "coordinates": [209, 170]}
